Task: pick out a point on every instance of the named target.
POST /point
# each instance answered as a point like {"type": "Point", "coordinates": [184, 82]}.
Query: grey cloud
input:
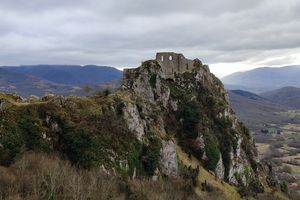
{"type": "Point", "coordinates": [123, 33]}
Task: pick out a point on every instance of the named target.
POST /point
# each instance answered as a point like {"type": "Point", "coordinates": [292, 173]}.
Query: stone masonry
{"type": "Point", "coordinates": [172, 63]}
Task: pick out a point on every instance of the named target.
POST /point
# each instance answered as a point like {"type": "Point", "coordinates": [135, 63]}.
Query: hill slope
{"type": "Point", "coordinates": [178, 128]}
{"type": "Point", "coordinates": [264, 79]}
{"type": "Point", "coordinates": [288, 96]}
{"type": "Point", "coordinates": [256, 111]}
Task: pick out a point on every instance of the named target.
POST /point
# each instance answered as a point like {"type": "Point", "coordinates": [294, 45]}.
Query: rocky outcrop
{"type": "Point", "coordinates": [133, 130]}
{"type": "Point", "coordinates": [194, 107]}
{"type": "Point", "coordinates": [219, 171]}
{"type": "Point", "coordinates": [168, 159]}
{"type": "Point", "coordinates": [134, 121]}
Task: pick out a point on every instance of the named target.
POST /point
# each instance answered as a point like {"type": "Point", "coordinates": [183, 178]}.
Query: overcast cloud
{"type": "Point", "coordinates": [229, 35]}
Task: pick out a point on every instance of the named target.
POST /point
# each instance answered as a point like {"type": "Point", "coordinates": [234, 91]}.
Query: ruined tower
{"type": "Point", "coordinates": [172, 63]}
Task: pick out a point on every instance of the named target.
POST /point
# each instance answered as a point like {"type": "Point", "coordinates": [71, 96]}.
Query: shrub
{"type": "Point", "coordinates": [37, 176]}
{"type": "Point", "coordinates": [190, 115]}
{"type": "Point", "coordinates": [189, 173]}
{"type": "Point", "coordinates": [12, 142]}
{"type": "Point", "coordinates": [255, 186]}
{"type": "Point", "coordinates": [119, 107]}
{"type": "Point", "coordinates": [32, 133]}
{"type": "Point", "coordinates": [251, 187]}
{"type": "Point", "coordinates": [152, 80]}
{"type": "Point", "coordinates": [150, 156]}
{"type": "Point", "coordinates": [212, 152]}
{"type": "Point", "coordinates": [133, 158]}
{"type": "Point", "coordinates": [79, 146]}
{"type": "Point", "coordinates": [106, 92]}
{"type": "Point", "coordinates": [284, 187]}
{"type": "Point", "coordinates": [23, 134]}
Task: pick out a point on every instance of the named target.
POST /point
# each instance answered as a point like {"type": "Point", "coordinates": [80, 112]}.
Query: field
{"type": "Point", "coordinates": [283, 148]}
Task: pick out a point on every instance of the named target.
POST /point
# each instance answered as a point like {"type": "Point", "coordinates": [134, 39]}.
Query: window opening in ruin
{"type": "Point", "coordinates": [170, 58]}
{"type": "Point", "coordinates": [162, 58]}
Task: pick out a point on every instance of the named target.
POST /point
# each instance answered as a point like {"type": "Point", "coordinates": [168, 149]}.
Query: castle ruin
{"type": "Point", "coordinates": [172, 63]}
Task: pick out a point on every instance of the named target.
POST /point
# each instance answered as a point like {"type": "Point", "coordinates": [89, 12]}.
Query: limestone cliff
{"type": "Point", "coordinates": [192, 108]}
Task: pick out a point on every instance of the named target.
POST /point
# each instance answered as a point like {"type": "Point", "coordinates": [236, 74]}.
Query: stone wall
{"type": "Point", "coordinates": [173, 63]}
{"type": "Point", "coordinates": [170, 63]}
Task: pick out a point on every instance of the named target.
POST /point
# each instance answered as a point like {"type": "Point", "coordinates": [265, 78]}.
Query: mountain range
{"type": "Point", "coordinates": [263, 79]}
{"type": "Point", "coordinates": [261, 95]}
{"type": "Point", "coordinates": [38, 80]}
{"type": "Point", "coordinates": [256, 111]}
{"type": "Point", "coordinates": [288, 96]}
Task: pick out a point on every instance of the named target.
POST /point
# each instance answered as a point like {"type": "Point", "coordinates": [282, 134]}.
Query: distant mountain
{"type": "Point", "coordinates": [248, 95]}
{"type": "Point", "coordinates": [26, 85]}
{"type": "Point", "coordinates": [74, 75]}
{"type": "Point", "coordinates": [238, 87]}
{"type": "Point", "coordinates": [288, 96]}
{"type": "Point", "coordinates": [58, 79]}
{"type": "Point", "coordinates": [264, 79]}
{"type": "Point", "coordinates": [255, 111]}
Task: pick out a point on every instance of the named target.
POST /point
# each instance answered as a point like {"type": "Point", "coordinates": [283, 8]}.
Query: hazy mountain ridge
{"type": "Point", "coordinates": [248, 95]}
{"type": "Point", "coordinates": [26, 85]}
{"type": "Point", "coordinates": [70, 74]}
{"type": "Point", "coordinates": [264, 79]}
{"type": "Point", "coordinates": [288, 96]}
{"type": "Point", "coordinates": [256, 111]}
{"type": "Point", "coordinates": [58, 79]}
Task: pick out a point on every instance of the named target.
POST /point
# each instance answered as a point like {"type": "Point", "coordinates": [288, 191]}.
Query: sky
{"type": "Point", "coordinates": [229, 35]}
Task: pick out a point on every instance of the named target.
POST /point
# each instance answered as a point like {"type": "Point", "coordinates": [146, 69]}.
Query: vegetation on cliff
{"type": "Point", "coordinates": [136, 132]}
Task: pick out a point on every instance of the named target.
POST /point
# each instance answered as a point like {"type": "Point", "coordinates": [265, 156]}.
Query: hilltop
{"type": "Point", "coordinates": [166, 126]}
{"type": "Point", "coordinates": [256, 111]}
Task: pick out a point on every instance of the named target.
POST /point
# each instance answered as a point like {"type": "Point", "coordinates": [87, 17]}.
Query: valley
{"type": "Point", "coordinates": [284, 150]}
{"type": "Point", "coordinates": [276, 129]}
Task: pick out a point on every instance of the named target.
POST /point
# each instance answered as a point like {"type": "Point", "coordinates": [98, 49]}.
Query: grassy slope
{"type": "Point", "coordinates": [229, 191]}
{"type": "Point", "coordinates": [257, 112]}
{"type": "Point", "coordinates": [223, 190]}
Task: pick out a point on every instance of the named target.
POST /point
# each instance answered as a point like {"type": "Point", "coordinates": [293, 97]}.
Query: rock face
{"type": "Point", "coordinates": [168, 160]}
{"type": "Point", "coordinates": [134, 122]}
{"type": "Point", "coordinates": [191, 105]}
{"type": "Point", "coordinates": [238, 164]}
{"type": "Point", "coordinates": [219, 171]}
